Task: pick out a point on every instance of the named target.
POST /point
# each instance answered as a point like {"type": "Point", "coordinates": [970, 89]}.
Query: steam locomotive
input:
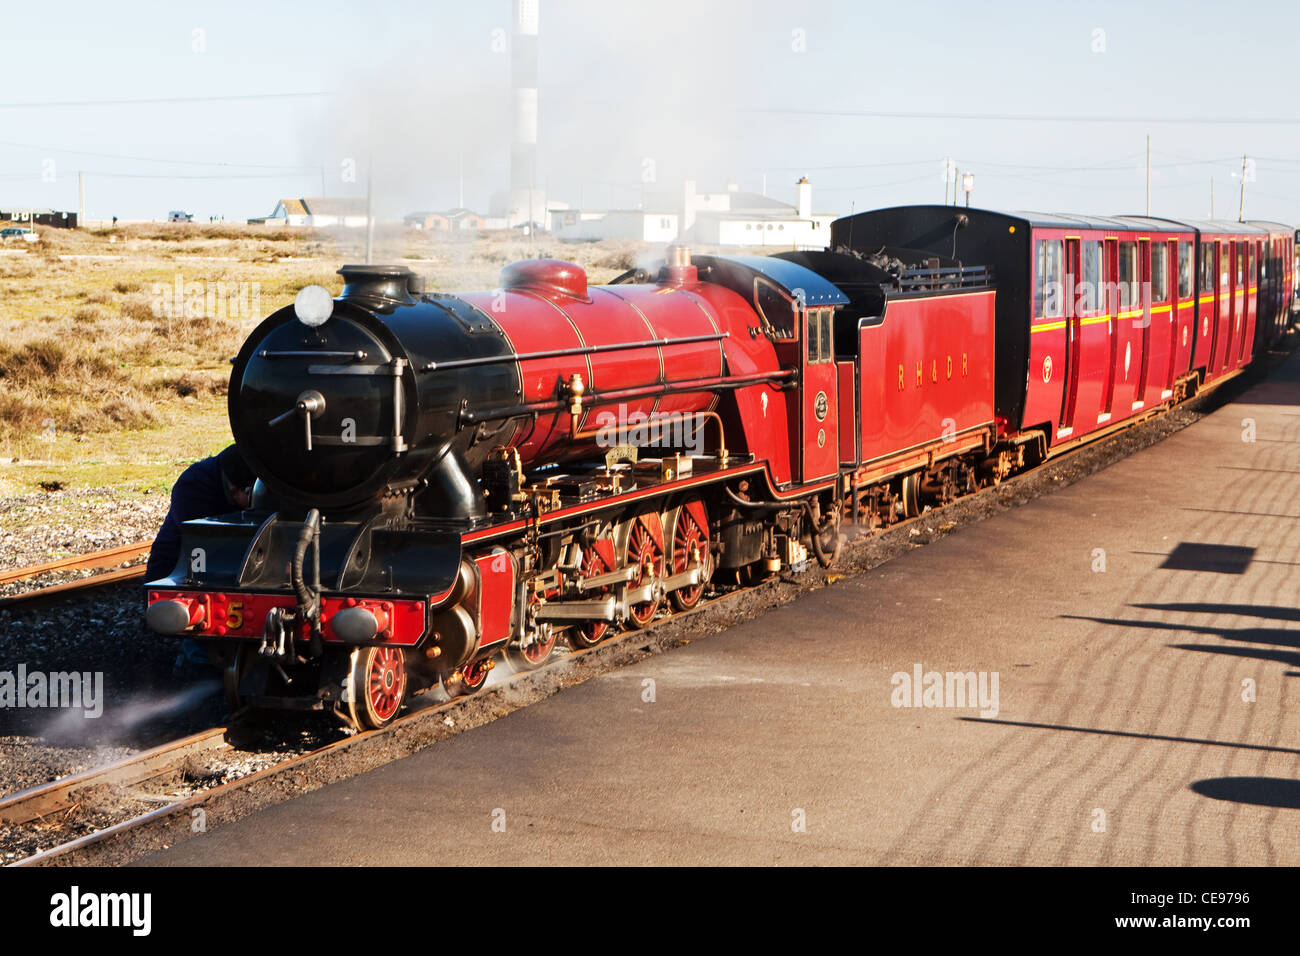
{"type": "Point", "coordinates": [449, 480]}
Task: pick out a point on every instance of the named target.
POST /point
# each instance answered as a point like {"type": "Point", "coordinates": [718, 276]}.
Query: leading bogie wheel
{"type": "Point", "coordinates": [527, 657]}
{"type": "Point", "coordinates": [472, 678]}
{"type": "Point", "coordinates": [378, 686]}
{"type": "Point", "coordinates": [233, 673]}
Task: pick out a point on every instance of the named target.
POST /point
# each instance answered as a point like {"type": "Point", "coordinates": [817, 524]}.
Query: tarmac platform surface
{"type": "Point", "coordinates": [1144, 712]}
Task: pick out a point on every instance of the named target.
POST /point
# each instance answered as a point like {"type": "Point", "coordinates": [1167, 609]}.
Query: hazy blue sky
{"type": "Point", "coordinates": [709, 90]}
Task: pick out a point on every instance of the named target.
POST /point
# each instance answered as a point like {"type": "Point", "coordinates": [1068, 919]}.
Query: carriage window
{"type": "Point", "coordinates": [1241, 262]}
{"type": "Point", "coordinates": [776, 309]}
{"type": "Point", "coordinates": [814, 338]}
{"type": "Point", "coordinates": [1128, 275]}
{"type": "Point", "coordinates": [828, 342]}
{"type": "Point", "coordinates": [1047, 289]}
{"type": "Point", "coordinates": [1184, 270]}
{"type": "Point", "coordinates": [1159, 272]}
{"type": "Point", "coordinates": [1225, 265]}
{"type": "Point", "coordinates": [1090, 299]}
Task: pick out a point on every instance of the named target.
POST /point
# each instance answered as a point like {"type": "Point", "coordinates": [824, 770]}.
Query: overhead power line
{"type": "Point", "coordinates": [37, 147]}
{"type": "Point", "coordinates": [1037, 117]}
{"type": "Point", "coordinates": [157, 100]}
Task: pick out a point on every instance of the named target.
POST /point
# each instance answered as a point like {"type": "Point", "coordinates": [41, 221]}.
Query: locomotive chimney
{"type": "Point", "coordinates": [803, 197]}
{"type": "Point", "coordinates": [677, 265]}
{"type": "Point", "coordinates": [380, 282]}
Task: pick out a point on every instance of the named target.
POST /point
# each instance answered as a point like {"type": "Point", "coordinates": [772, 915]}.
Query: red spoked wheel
{"type": "Point", "coordinates": [590, 633]}
{"type": "Point", "coordinates": [690, 544]}
{"type": "Point", "coordinates": [645, 553]}
{"type": "Point", "coordinates": [530, 656]}
{"type": "Point", "coordinates": [378, 686]}
{"type": "Point", "coordinates": [473, 678]}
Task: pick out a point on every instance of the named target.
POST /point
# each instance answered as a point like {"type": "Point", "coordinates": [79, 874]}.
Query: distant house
{"type": "Point", "coordinates": [637, 224]}
{"type": "Point", "coordinates": [449, 221]}
{"type": "Point", "coordinates": [40, 217]}
{"type": "Point", "coordinates": [320, 211]}
{"type": "Point", "coordinates": [728, 218]}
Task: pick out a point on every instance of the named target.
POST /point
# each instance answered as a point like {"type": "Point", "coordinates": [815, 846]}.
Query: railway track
{"type": "Point", "coordinates": [61, 796]}
{"type": "Point", "coordinates": [112, 558]}
{"type": "Point", "coordinates": [48, 802]}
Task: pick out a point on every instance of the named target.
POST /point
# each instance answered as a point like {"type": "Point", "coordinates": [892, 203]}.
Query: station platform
{"type": "Point", "coordinates": [1143, 628]}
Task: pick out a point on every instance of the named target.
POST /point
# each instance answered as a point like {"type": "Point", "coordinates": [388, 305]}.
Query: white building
{"type": "Point", "coordinates": [736, 218]}
{"type": "Point", "coordinates": [729, 218]}
{"type": "Point", "coordinates": [321, 211]}
{"type": "Point", "coordinates": [615, 224]}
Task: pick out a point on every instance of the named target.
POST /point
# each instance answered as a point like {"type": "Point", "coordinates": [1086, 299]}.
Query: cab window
{"type": "Point", "coordinates": [777, 310]}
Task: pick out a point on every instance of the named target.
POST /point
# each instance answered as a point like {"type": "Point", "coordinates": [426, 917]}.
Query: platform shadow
{"type": "Point", "coordinates": [1133, 735]}
{"type": "Point", "coordinates": [1217, 558]}
{"type": "Point", "coordinates": [1280, 637]}
{"type": "Point", "coordinates": [1258, 791]}
{"type": "Point", "coordinates": [1249, 653]}
{"type": "Point", "coordinates": [1268, 611]}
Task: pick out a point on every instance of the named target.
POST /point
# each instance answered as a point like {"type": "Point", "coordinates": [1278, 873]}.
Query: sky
{"type": "Point", "coordinates": [223, 108]}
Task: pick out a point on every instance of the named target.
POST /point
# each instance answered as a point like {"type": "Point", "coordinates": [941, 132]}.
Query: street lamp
{"type": "Point", "coordinates": [968, 185]}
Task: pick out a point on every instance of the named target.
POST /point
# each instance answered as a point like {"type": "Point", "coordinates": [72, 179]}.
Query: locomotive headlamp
{"type": "Point", "coordinates": [313, 305]}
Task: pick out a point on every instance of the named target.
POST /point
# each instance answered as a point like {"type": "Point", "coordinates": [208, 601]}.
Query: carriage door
{"type": "Point", "coordinates": [1146, 291]}
{"type": "Point", "coordinates": [1250, 322]}
{"type": "Point", "coordinates": [1230, 265]}
{"type": "Point", "coordinates": [1114, 308]}
{"type": "Point", "coordinates": [1178, 289]}
{"type": "Point", "coordinates": [1209, 316]}
{"type": "Point", "coordinates": [819, 438]}
{"type": "Point", "coordinates": [1075, 304]}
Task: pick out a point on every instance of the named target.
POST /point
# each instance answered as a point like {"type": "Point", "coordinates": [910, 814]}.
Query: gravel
{"type": "Point", "coordinates": [46, 526]}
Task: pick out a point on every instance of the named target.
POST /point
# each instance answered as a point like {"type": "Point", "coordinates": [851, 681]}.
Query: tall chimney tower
{"type": "Point", "coordinates": [803, 197]}
{"type": "Point", "coordinates": [526, 202]}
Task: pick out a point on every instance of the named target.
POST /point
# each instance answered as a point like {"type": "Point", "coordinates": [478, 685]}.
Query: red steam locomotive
{"type": "Point", "coordinates": [445, 479]}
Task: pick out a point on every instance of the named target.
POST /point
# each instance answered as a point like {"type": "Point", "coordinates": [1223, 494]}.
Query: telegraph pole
{"type": "Point", "coordinates": [370, 207]}
{"type": "Point", "coordinates": [81, 200]}
{"type": "Point", "coordinates": [1241, 209]}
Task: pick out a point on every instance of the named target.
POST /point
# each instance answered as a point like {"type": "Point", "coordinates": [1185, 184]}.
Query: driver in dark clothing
{"type": "Point", "coordinates": [209, 487]}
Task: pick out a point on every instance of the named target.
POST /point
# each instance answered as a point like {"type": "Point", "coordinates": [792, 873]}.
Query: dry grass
{"type": "Point", "coordinates": [102, 383]}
